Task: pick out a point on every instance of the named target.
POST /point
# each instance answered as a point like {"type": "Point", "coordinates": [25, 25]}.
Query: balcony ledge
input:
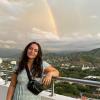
{"type": "Point", "coordinates": [45, 95]}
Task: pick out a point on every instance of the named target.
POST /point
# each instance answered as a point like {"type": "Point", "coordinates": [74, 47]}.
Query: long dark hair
{"type": "Point", "coordinates": [37, 63]}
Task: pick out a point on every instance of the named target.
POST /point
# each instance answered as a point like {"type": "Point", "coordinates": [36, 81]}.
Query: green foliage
{"type": "Point", "coordinates": [66, 88]}
{"type": "Point", "coordinates": [78, 59]}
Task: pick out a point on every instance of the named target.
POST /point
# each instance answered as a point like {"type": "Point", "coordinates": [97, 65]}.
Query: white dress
{"type": "Point", "coordinates": [21, 91]}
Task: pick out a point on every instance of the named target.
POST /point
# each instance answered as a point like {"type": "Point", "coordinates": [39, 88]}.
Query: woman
{"type": "Point", "coordinates": [31, 58]}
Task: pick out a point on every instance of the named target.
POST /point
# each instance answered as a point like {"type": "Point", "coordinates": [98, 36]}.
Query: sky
{"type": "Point", "coordinates": [58, 25]}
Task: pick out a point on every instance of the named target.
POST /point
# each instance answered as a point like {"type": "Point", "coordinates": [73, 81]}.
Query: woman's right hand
{"type": "Point", "coordinates": [47, 79]}
{"type": "Point", "coordinates": [11, 87]}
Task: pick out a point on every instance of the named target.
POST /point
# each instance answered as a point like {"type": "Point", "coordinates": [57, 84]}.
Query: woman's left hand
{"type": "Point", "coordinates": [47, 79]}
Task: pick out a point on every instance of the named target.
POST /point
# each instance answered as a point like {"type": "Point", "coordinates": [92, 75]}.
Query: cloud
{"type": "Point", "coordinates": [75, 42]}
{"type": "Point", "coordinates": [98, 35]}
{"type": "Point", "coordinates": [94, 16]}
{"type": "Point", "coordinates": [7, 46]}
{"type": "Point", "coordinates": [44, 34]}
{"type": "Point", "coordinates": [6, 2]}
{"type": "Point", "coordinates": [13, 8]}
{"type": "Point", "coordinates": [7, 42]}
{"type": "Point", "coordinates": [5, 19]}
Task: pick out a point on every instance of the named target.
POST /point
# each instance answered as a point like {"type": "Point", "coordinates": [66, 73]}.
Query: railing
{"type": "Point", "coordinates": [79, 81]}
{"type": "Point", "coordinates": [67, 79]}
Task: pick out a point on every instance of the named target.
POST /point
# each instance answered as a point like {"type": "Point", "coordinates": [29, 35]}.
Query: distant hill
{"type": "Point", "coordinates": [14, 53]}
{"type": "Point", "coordinates": [92, 56]}
{"type": "Point", "coordinates": [9, 53]}
{"type": "Point", "coordinates": [95, 52]}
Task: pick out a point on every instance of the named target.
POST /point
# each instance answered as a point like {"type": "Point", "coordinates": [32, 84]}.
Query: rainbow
{"type": "Point", "coordinates": [51, 17]}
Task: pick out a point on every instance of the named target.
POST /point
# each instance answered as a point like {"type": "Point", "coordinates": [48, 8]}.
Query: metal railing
{"type": "Point", "coordinates": [74, 80]}
{"type": "Point", "coordinates": [67, 79]}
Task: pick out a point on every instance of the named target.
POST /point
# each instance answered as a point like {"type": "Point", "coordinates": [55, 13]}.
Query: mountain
{"type": "Point", "coordinates": [92, 56]}
{"type": "Point", "coordinates": [95, 52]}
{"type": "Point", "coordinates": [9, 53]}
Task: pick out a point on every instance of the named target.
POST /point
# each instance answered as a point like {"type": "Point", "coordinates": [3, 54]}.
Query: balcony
{"type": "Point", "coordinates": [46, 95]}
